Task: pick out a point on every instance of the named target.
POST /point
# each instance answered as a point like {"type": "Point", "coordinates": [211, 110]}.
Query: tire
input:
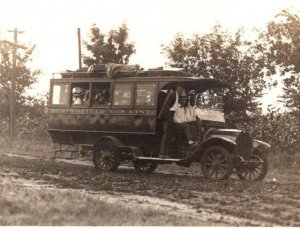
{"type": "Point", "coordinates": [256, 171]}
{"type": "Point", "coordinates": [217, 163]}
{"type": "Point", "coordinates": [144, 166]}
{"type": "Point", "coordinates": [105, 156]}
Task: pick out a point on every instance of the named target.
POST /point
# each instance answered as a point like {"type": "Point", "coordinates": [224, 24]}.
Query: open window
{"type": "Point", "coordinates": [80, 94]}
{"type": "Point", "coordinates": [60, 94]}
{"type": "Point", "coordinates": [101, 94]}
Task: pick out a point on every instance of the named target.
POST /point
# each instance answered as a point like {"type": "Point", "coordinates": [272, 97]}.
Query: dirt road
{"type": "Point", "coordinates": [272, 202]}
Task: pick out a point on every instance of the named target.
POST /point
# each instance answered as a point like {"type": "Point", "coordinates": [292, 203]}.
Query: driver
{"type": "Point", "coordinates": [184, 119]}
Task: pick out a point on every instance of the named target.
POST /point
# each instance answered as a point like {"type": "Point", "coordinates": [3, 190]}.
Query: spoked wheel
{"type": "Point", "coordinates": [217, 163]}
{"type": "Point", "coordinates": [105, 156]}
{"type": "Point", "coordinates": [256, 168]}
{"type": "Point", "coordinates": [144, 166]}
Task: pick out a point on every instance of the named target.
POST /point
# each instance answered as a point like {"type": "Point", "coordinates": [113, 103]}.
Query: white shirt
{"type": "Point", "coordinates": [184, 114]}
{"type": "Point", "coordinates": [77, 101]}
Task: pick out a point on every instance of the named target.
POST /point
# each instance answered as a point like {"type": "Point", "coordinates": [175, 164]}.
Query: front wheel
{"type": "Point", "coordinates": [217, 163]}
{"type": "Point", "coordinates": [105, 156]}
{"type": "Point", "coordinates": [144, 166]}
{"type": "Point", "coordinates": [256, 168]}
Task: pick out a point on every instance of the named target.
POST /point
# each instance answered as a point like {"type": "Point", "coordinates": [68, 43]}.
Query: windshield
{"type": "Point", "coordinates": [208, 101]}
{"type": "Point", "coordinates": [209, 107]}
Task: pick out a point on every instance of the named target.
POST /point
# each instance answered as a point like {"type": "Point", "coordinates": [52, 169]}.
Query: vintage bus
{"type": "Point", "coordinates": [113, 110]}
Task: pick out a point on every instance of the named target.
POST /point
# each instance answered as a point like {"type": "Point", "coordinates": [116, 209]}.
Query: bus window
{"type": "Point", "coordinates": [101, 94]}
{"type": "Point", "coordinates": [145, 94]}
{"type": "Point", "coordinates": [60, 94]}
{"type": "Point", "coordinates": [123, 94]}
{"type": "Point", "coordinates": [80, 94]}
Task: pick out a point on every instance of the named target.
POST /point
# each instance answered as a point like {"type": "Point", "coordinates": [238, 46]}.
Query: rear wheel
{"type": "Point", "coordinates": [144, 166]}
{"type": "Point", "coordinates": [105, 156]}
{"type": "Point", "coordinates": [256, 168]}
{"type": "Point", "coordinates": [217, 163]}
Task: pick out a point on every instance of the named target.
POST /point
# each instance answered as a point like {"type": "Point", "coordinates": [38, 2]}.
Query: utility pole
{"type": "Point", "coordinates": [12, 119]}
{"type": "Point", "coordinates": [79, 47]}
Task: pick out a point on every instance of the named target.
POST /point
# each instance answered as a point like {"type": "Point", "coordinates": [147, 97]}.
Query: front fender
{"type": "Point", "coordinates": [260, 145]}
{"type": "Point", "coordinates": [220, 138]}
{"type": "Point", "coordinates": [213, 141]}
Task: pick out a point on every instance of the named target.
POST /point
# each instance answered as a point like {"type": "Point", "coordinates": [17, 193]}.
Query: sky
{"type": "Point", "coordinates": [52, 26]}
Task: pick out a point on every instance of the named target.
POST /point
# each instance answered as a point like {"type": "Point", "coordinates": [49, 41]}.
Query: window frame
{"type": "Point", "coordinates": [154, 97]}
{"type": "Point", "coordinates": [132, 85]}
{"type": "Point", "coordinates": [68, 94]}
{"type": "Point", "coordinates": [110, 95]}
{"type": "Point", "coordinates": [85, 105]}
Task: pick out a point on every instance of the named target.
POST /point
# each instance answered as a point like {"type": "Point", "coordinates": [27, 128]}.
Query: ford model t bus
{"type": "Point", "coordinates": [113, 110]}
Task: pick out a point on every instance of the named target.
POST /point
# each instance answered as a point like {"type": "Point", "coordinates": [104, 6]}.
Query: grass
{"type": "Point", "coordinates": [23, 206]}
{"type": "Point", "coordinates": [26, 147]}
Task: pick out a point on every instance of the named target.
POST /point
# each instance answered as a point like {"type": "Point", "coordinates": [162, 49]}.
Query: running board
{"type": "Point", "coordinates": [158, 159]}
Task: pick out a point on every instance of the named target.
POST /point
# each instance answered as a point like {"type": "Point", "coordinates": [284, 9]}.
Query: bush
{"type": "Point", "coordinates": [282, 131]}
{"type": "Point", "coordinates": [31, 121]}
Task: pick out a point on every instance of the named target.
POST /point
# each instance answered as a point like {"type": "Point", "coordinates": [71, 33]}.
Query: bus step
{"type": "Point", "coordinates": [159, 159]}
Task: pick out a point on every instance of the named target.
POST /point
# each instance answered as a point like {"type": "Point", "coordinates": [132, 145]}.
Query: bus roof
{"type": "Point", "coordinates": [133, 73]}
{"type": "Point", "coordinates": [166, 82]}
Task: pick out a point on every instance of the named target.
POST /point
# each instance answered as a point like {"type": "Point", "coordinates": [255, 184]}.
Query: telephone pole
{"type": "Point", "coordinates": [79, 47]}
{"type": "Point", "coordinates": [12, 119]}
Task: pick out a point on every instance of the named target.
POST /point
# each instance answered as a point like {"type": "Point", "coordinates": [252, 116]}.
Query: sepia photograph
{"type": "Point", "coordinates": [170, 113]}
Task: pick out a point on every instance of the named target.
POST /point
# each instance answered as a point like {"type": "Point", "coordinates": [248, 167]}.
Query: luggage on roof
{"type": "Point", "coordinates": [118, 70]}
{"type": "Point", "coordinates": [113, 70]}
{"type": "Point", "coordinates": [97, 68]}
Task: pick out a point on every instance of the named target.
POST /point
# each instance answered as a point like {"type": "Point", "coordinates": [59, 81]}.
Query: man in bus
{"type": "Point", "coordinates": [78, 95]}
{"type": "Point", "coordinates": [185, 120]}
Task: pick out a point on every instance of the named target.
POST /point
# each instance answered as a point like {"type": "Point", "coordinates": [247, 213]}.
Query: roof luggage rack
{"type": "Point", "coordinates": [82, 74]}
{"type": "Point", "coordinates": [119, 70]}
{"type": "Point", "coordinates": [153, 73]}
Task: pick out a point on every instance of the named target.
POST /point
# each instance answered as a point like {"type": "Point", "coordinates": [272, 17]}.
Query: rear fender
{"type": "Point", "coordinates": [117, 142]}
{"type": "Point", "coordinates": [124, 150]}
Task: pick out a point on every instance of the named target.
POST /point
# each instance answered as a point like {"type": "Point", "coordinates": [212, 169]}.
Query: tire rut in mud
{"type": "Point", "coordinates": [262, 203]}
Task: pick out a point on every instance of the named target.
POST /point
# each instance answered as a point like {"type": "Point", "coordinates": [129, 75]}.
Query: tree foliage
{"type": "Point", "coordinates": [25, 77]}
{"type": "Point", "coordinates": [282, 45]}
{"type": "Point", "coordinates": [113, 47]}
{"type": "Point", "coordinates": [32, 124]}
{"type": "Point", "coordinates": [226, 57]}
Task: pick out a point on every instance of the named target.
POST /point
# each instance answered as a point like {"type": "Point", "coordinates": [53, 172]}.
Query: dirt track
{"type": "Point", "coordinates": [173, 188]}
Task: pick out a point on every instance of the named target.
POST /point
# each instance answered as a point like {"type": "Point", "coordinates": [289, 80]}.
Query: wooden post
{"type": "Point", "coordinates": [12, 119]}
{"type": "Point", "coordinates": [79, 47]}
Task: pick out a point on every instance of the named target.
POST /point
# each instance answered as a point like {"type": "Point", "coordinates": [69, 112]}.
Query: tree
{"type": "Point", "coordinates": [24, 77]}
{"type": "Point", "coordinates": [282, 45]}
{"type": "Point", "coordinates": [113, 47]}
{"type": "Point", "coordinates": [32, 124]}
{"type": "Point", "coordinates": [226, 57]}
